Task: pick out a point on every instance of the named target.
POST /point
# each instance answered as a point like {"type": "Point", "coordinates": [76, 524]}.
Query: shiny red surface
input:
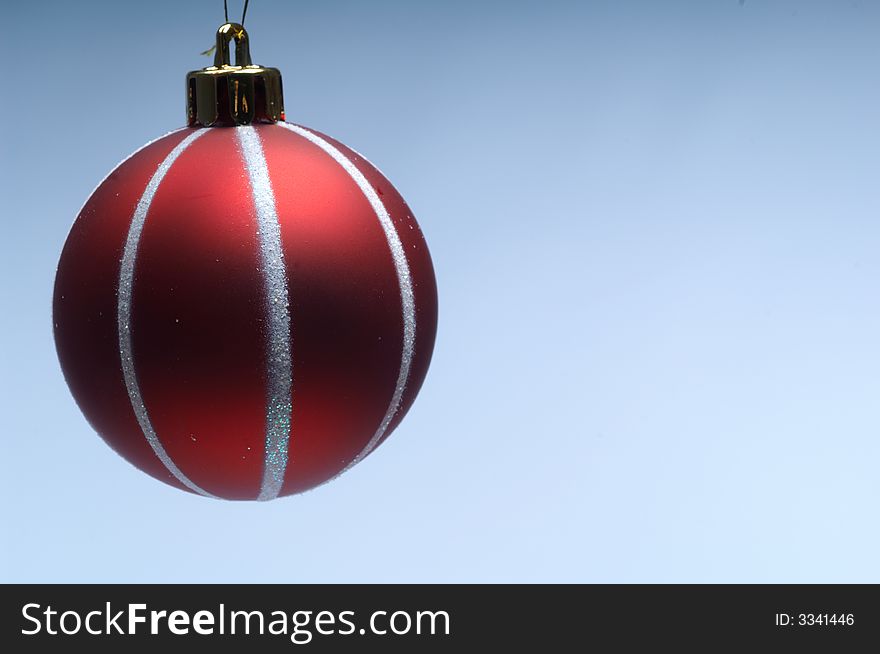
{"type": "Point", "coordinates": [198, 313]}
{"type": "Point", "coordinates": [197, 319]}
{"type": "Point", "coordinates": [84, 307]}
{"type": "Point", "coordinates": [421, 269]}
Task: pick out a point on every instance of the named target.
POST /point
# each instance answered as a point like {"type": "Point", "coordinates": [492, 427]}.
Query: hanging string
{"type": "Point", "coordinates": [226, 11]}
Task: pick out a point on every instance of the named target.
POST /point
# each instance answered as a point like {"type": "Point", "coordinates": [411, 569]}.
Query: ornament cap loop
{"type": "Point", "coordinates": [240, 94]}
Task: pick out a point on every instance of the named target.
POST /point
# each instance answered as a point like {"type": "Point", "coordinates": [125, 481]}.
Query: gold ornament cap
{"type": "Point", "coordinates": [229, 95]}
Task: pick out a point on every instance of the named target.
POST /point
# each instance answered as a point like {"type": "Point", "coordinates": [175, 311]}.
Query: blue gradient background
{"type": "Point", "coordinates": [655, 229]}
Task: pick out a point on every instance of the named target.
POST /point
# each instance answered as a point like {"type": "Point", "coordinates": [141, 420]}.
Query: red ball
{"type": "Point", "coordinates": [245, 312]}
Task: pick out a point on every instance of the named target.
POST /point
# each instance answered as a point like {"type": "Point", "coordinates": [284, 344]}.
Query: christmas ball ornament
{"type": "Point", "coordinates": [244, 308]}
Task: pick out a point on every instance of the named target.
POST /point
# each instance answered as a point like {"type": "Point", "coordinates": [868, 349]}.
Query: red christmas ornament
{"type": "Point", "coordinates": [244, 308]}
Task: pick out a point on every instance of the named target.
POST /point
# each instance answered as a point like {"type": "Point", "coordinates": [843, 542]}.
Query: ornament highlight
{"type": "Point", "coordinates": [244, 308]}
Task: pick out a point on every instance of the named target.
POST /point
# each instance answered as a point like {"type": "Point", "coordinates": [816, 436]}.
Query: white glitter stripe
{"type": "Point", "coordinates": [113, 170]}
{"type": "Point", "coordinates": [126, 283]}
{"type": "Point", "coordinates": [280, 366]}
{"type": "Point", "coordinates": [401, 266]}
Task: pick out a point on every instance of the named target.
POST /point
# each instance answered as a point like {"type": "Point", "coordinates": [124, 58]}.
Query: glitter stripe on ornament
{"type": "Point", "coordinates": [126, 284]}
{"type": "Point", "coordinates": [401, 266]}
{"type": "Point", "coordinates": [280, 366]}
{"type": "Point", "coordinates": [131, 156]}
